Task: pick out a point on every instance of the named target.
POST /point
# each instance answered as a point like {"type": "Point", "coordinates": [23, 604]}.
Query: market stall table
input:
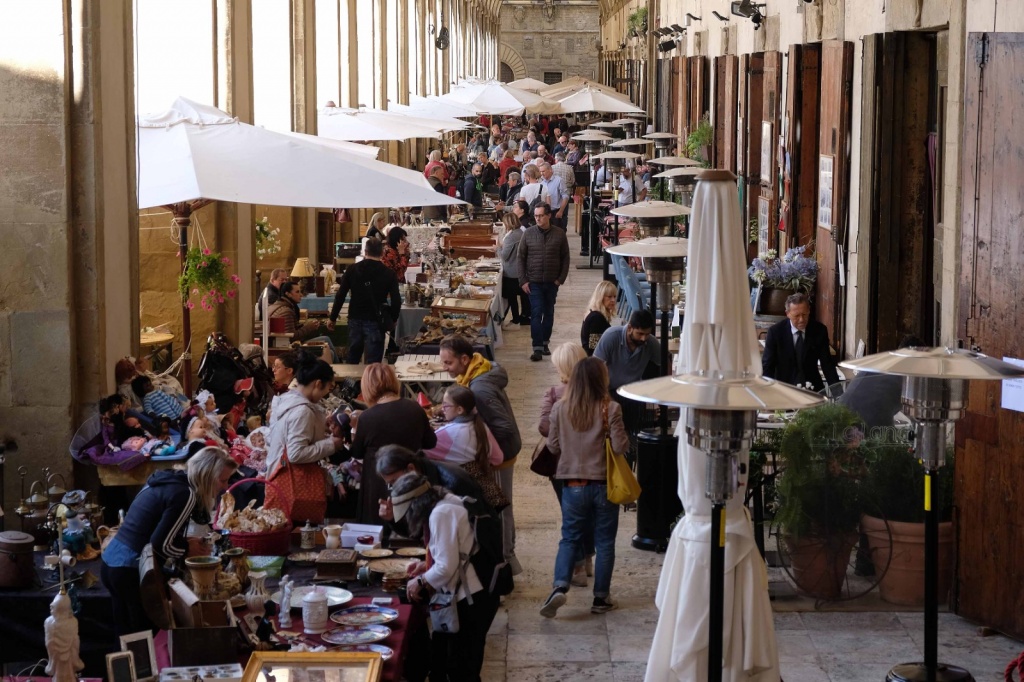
{"type": "Point", "coordinates": [422, 373]}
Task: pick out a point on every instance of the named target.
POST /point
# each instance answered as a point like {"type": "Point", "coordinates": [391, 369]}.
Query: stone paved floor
{"type": "Point", "coordinates": [576, 646]}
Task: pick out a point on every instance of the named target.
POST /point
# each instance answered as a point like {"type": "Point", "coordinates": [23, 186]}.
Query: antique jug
{"type": "Point", "coordinates": [332, 536]}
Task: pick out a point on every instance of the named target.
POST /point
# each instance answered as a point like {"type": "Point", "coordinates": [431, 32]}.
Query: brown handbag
{"type": "Point", "coordinates": [544, 462]}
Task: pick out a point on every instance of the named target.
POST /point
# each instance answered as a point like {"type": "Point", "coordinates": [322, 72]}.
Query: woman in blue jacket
{"type": "Point", "coordinates": [159, 515]}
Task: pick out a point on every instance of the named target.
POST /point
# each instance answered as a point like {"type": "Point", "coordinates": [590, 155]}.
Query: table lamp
{"type": "Point", "coordinates": [934, 395]}
{"type": "Point", "coordinates": [303, 272]}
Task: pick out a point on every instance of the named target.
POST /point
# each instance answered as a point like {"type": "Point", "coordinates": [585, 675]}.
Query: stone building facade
{"type": "Point", "coordinates": [550, 38]}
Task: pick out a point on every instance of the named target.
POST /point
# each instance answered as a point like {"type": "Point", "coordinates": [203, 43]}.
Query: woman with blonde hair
{"type": "Point", "coordinates": [580, 422]}
{"type": "Point", "coordinates": [375, 228]}
{"type": "Point", "coordinates": [389, 420]}
{"type": "Point", "coordinates": [600, 310]}
{"type": "Point", "coordinates": [159, 516]}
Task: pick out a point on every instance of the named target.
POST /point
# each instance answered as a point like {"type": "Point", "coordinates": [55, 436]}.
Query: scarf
{"type": "Point", "coordinates": [477, 366]}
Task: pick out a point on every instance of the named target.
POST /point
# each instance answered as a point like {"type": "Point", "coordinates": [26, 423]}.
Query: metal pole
{"type": "Point", "coordinates": [931, 578]}
{"type": "Point", "coordinates": [182, 220]}
{"type": "Point", "coordinates": [717, 595]}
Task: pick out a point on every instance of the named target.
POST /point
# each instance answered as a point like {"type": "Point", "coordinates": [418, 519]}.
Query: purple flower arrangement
{"type": "Point", "coordinates": [795, 271]}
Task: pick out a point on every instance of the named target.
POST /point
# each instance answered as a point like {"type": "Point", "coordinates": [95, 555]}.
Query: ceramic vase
{"type": "Point", "coordinates": [238, 564]}
{"type": "Point", "coordinates": [256, 597]}
{"type": "Point", "coordinates": [204, 571]}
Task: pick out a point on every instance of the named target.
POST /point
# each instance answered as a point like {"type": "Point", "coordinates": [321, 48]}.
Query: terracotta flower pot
{"type": "Point", "coordinates": [903, 583]}
{"type": "Point", "coordinates": [818, 565]}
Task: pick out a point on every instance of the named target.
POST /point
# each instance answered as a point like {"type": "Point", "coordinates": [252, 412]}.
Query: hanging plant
{"type": "Point", "coordinates": [206, 275]}
{"type": "Point", "coordinates": [267, 240]}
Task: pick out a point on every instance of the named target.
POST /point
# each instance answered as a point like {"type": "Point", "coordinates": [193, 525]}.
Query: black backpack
{"type": "Point", "coordinates": [488, 556]}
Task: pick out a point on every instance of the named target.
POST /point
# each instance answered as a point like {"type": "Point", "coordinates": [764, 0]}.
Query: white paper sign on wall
{"type": "Point", "coordinates": [1013, 389]}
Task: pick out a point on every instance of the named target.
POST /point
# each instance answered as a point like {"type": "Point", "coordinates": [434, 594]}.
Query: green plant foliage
{"type": "Point", "coordinates": [206, 275]}
{"type": "Point", "coordinates": [894, 486]}
{"type": "Point", "coordinates": [820, 487]}
{"type": "Point", "coordinates": [700, 139]}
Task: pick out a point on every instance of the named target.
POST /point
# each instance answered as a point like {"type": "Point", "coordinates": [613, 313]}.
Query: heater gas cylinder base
{"type": "Point", "coordinates": [917, 672]}
{"type": "Point", "coordinates": [659, 545]}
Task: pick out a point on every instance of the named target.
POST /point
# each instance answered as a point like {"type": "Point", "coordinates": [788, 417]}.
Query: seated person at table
{"type": "Point", "coordinates": [795, 346]}
{"type": "Point", "coordinates": [287, 308]}
{"type": "Point", "coordinates": [155, 402]}
{"type": "Point", "coordinates": [396, 252]}
{"type": "Point", "coordinates": [466, 441]}
{"type": "Point", "coordinates": [159, 516]}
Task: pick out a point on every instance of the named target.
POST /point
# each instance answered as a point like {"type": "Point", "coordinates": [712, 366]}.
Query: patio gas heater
{"type": "Point", "coordinates": [614, 163]}
{"type": "Point", "coordinates": [614, 129]}
{"type": "Point", "coordinates": [594, 143]}
{"type": "Point", "coordinates": [664, 260]}
{"type": "Point", "coordinates": [721, 420]}
{"type": "Point", "coordinates": [663, 142]}
{"type": "Point", "coordinates": [682, 180]}
{"type": "Point", "coordinates": [630, 125]}
{"type": "Point", "coordinates": [934, 396]}
{"type": "Point", "coordinates": [653, 218]}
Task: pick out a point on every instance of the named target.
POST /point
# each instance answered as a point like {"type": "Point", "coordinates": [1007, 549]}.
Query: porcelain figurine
{"type": "Point", "coordinates": [61, 633]}
{"type": "Point", "coordinates": [284, 617]}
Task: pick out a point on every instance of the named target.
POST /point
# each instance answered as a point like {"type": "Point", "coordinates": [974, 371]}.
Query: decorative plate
{"type": "Point", "coordinates": [376, 553]}
{"type": "Point", "coordinates": [336, 596]}
{"type": "Point", "coordinates": [351, 634]}
{"type": "Point", "coordinates": [390, 565]}
{"type": "Point", "coordinates": [413, 552]}
{"type": "Point", "coordinates": [384, 651]}
{"type": "Point", "coordinates": [368, 614]}
{"type": "Point", "coordinates": [303, 558]}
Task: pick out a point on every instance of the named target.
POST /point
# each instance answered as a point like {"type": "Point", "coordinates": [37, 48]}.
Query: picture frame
{"type": "Point", "coordinates": [121, 666]}
{"type": "Point", "coordinates": [266, 666]}
{"type": "Point", "coordinates": [766, 152]}
{"type": "Point", "coordinates": [826, 165]}
{"type": "Point", "coordinates": [140, 644]}
{"type": "Point", "coordinates": [763, 225]}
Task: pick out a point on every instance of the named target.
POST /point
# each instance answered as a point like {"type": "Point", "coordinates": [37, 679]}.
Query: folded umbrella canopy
{"type": "Point", "coordinates": [193, 154]}
{"type": "Point", "coordinates": [592, 99]}
{"type": "Point", "coordinates": [717, 335]}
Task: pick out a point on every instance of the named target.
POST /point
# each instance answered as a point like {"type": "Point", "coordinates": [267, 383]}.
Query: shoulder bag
{"type": "Point", "coordinates": [622, 484]}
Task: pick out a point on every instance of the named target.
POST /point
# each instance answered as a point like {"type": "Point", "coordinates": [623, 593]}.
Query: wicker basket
{"type": "Point", "coordinates": [274, 543]}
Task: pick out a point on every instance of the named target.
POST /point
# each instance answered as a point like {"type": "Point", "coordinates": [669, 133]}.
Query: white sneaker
{"type": "Point", "coordinates": [554, 602]}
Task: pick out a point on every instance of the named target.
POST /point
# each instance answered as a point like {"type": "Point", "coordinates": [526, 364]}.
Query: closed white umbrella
{"type": "Point", "coordinates": [339, 124]}
{"type": "Point", "coordinates": [531, 84]}
{"type": "Point", "coordinates": [592, 99]}
{"type": "Point", "coordinates": [193, 154]}
{"type": "Point", "coordinates": [717, 335]}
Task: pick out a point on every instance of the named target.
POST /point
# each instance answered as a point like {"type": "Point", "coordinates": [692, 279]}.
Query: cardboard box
{"type": "Point", "coordinates": [350, 533]}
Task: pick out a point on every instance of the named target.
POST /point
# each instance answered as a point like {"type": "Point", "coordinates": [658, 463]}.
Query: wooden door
{"type": "Point", "coordinates": [833, 184]}
{"type": "Point", "coordinates": [989, 466]}
{"type": "Point", "coordinates": [798, 207]}
{"type": "Point", "coordinates": [768, 154]}
{"type": "Point", "coordinates": [698, 90]}
{"type": "Point", "coordinates": [752, 92]}
{"type": "Point", "coordinates": [726, 74]}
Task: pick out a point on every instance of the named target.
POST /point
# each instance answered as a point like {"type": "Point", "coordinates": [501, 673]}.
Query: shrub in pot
{"type": "Point", "coordinates": [819, 496]}
{"type": "Point", "coordinates": [894, 488]}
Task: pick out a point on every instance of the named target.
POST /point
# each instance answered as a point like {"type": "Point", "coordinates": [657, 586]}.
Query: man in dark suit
{"type": "Point", "coordinates": [796, 345]}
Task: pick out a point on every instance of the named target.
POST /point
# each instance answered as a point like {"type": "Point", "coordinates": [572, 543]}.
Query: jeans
{"type": "Point", "coordinates": [368, 333]}
{"type": "Point", "coordinates": [123, 585]}
{"type": "Point", "coordinates": [580, 504]}
{"type": "Point", "coordinates": [587, 547]}
{"type": "Point", "coordinates": [330, 344]}
{"type": "Point", "coordinates": [542, 312]}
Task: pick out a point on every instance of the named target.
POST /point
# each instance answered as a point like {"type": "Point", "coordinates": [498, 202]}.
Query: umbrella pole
{"type": "Point", "coordinates": [717, 595]}
{"type": "Point", "coordinates": [182, 220]}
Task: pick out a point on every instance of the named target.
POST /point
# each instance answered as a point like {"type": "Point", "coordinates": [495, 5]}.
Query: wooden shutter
{"type": "Point", "coordinates": [752, 93]}
{"type": "Point", "coordinates": [800, 201]}
{"type": "Point", "coordinates": [989, 468]}
{"type": "Point", "coordinates": [698, 90]}
{"type": "Point", "coordinates": [726, 73]}
{"type": "Point", "coordinates": [768, 153]}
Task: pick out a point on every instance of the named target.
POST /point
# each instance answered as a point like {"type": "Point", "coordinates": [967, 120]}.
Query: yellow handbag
{"type": "Point", "coordinates": [623, 487]}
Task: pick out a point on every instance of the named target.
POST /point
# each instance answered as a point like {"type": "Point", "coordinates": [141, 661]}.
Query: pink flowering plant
{"type": "Point", "coordinates": [206, 276]}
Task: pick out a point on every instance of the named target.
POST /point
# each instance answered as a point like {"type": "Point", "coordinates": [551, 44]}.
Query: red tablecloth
{"type": "Point", "coordinates": [408, 623]}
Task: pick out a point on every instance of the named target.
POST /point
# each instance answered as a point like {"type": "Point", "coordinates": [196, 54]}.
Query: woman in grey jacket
{"type": "Point", "coordinates": [518, 300]}
{"type": "Point", "coordinates": [580, 422]}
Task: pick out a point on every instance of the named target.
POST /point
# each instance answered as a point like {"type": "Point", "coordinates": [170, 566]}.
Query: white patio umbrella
{"type": "Point", "coordinates": [433, 105]}
{"type": "Point", "coordinates": [193, 154]}
{"type": "Point", "coordinates": [367, 151]}
{"type": "Point", "coordinates": [443, 124]}
{"type": "Point", "coordinates": [499, 99]}
{"type": "Point", "coordinates": [531, 84]}
{"type": "Point", "coordinates": [571, 84]}
{"type": "Point", "coordinates": [340, 124]}
{"type": "Point", "coordinates": [592, 99]}
{"type": "Point", "coordinates": [444, 119]}
{"type": "Point", "coordinates": [717, 334]}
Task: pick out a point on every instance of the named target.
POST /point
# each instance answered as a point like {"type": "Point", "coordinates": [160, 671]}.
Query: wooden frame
{"type": "Point", "coordinates": [140, 644]}
{"type": "Point", "coordinates": [344, 667]}
{"type": "Point", "coordinates": [121, 666]}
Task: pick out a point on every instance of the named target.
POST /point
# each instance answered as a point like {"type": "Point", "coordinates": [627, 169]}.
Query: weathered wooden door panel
{"type": "Point", "coordinates": [750, 175]}
{"type": "Point", "coordinates": [800, 201]}
{"type": "Point", "coordinates": [724, 155]}
{"type": "Point", "coordinates": [771, 107]}
{"type": "Point", "coordinates": [698, 90]}
{"type": "Point", "coordinates": [833, 168]}
{"type": "Point", "coordinates": [990, 465]}
{"type": "Point", "coordinates": [684, 99]}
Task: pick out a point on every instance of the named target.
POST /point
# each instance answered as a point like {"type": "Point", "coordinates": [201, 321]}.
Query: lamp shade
{"type": "Point", "coordinates": [303, 268]}
{"type": "Point", "coordinates": [939, 363]}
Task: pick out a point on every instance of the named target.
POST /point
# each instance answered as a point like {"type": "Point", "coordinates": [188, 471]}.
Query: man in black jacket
{"type": "Point", "coordinates": [796, 345]}
{"type": "Point", "coordinates": [375, 306]}
{"type": "Point", "coordinates": [543, 268]}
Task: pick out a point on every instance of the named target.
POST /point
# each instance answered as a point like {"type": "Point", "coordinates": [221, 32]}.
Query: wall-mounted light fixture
{"type": "Point", "coordinates": [749, 10]}
{"type": "Point", "coordinates": [719, 16]}
{"type": "Point", "coordinates": [690, 18]}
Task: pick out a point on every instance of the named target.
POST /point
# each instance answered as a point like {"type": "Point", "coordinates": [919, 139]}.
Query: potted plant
{"type": "Point", "coordinates": [206, 275]}
{"type": "Point", "coordinates": [698, 142]}
{"type": "Point", "coordinates": [776, 278]}
{"type": "Point", "coordinates": [637, 23]}
{"type": "Point", "coordinates": [819, 496]}
{"type": "Point", "coordinates": [894, 489]}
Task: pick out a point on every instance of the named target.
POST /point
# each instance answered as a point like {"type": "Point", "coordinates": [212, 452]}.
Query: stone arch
{"type": "Point", "coordinates": [508, 55]}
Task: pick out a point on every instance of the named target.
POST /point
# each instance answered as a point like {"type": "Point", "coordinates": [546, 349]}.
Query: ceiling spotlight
{"type": "Point", "coordinates": [749, 10]}
{"type": "Point", "coordinates": [663, 31]}
{"type": "Point", "coordinates": [667, 45]}
{"type": "Point", "coordinates": [678, 29]}
{"type": "Point", "coordinates": [719, 16]}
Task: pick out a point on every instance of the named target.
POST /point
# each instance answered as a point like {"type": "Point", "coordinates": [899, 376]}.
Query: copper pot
{"type": "Point", "coordinates": [16, 564]}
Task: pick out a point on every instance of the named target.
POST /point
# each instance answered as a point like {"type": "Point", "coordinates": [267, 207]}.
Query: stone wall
{"type": "Point", "coordinates": [562, 38]}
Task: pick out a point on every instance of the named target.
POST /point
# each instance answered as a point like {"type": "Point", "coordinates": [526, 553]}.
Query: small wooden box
{"type": "Point", "coordinates": [336, 563]}
{"type": "Point", "coordinates": [475, 310]}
